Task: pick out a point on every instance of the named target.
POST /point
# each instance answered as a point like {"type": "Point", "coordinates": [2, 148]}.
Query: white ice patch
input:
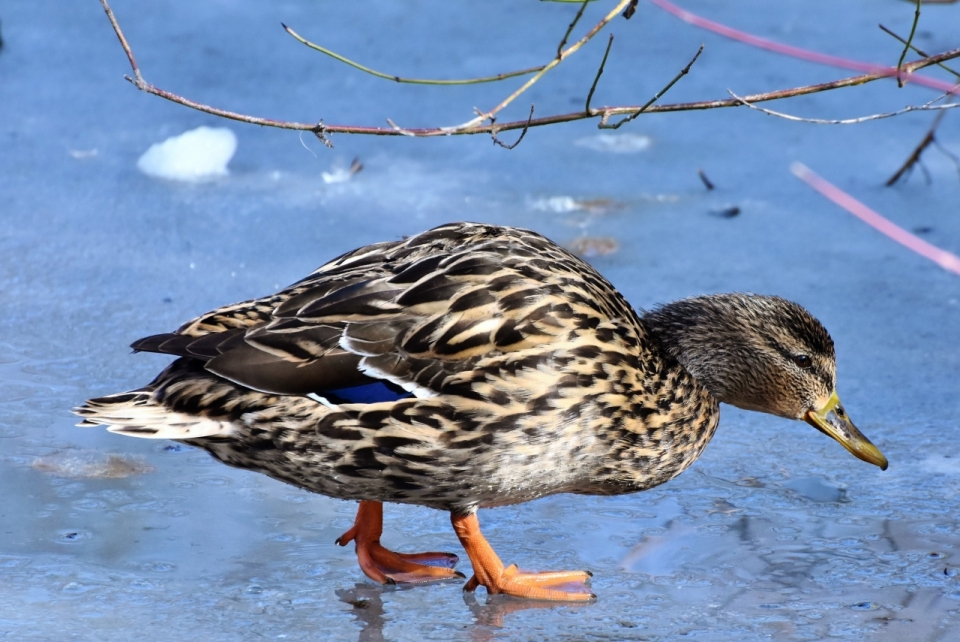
{"type": "Point", "coordinates": [616, 143]}
{"type": "Point", "coordinates": [337, 175]}
{"type": "Point", "coordinates": [196, 155]}
{"type": "Point", "coordinates": [556, 204]}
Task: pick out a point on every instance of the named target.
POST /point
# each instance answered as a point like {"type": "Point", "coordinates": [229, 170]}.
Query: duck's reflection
{"type": "Point", "coordinates": [488, 611]}
{"type": "Point", "coordinates": [367, 609]}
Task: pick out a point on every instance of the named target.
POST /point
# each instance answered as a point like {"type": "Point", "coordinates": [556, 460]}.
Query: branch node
{"type": "Point", "coordinates": [400, 130]}
{"type": "Point", "coordinates": [497, 141]}
{"type": "Point", "coordinates": [570, 29]}
{"type": "Point", "coordinates": [320, 131]}
{"type": "Point", "coordinates": [906, 46]}
{"type": "Point", "coordinates": [928, 139]}
{"type": "Point", "coordinates": [683, 72]}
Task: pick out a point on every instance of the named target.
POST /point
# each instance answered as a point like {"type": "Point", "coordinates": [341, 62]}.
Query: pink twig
{"type": "Point", "coordinates": [944, 259]}
{"type": "Point", "coordinates": [797, 52]}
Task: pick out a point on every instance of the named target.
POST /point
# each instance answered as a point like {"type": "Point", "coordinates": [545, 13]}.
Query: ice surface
{"type": "Point", "coordinates": [196, 155]}
{"type": "Point", "coordinates": [776, 533]}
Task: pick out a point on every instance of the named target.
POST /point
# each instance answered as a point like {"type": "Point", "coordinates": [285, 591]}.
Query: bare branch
{"type": "Point", "coordinates": [683, 72]}
{"type": "Point", "coordinates": [930, 106]}
{"type": "Point", "coordinates": [914, 157]}
{"type": "Point", "coordinates": [412, 81]}
{"type": "Point", "coordinates": [906, 46]}
{"type": "Point", "coordinates": [322, 130]}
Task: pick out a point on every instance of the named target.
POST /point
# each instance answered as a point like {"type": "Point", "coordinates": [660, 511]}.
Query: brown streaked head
{"type": "Point", "coordinates": [761, 353]}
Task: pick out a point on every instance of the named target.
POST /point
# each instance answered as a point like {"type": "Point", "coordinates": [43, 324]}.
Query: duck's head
{"type": "Point", "coordinates": [761, 353]}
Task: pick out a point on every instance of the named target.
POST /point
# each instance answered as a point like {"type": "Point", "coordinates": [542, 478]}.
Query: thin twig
{"type": "Point", "coordinates": [906, 46]}
{"type": "Point", "coordinates": [919, 51]}
{"type": "Point", "coordinates": [497, 141]}
{"type": "Point", "coordinates": [553, 63]}
{"type": "Point", "coordinates": [576, 19]}
{"type": "Point", "coordinates": [683, 72]}
{"type": "Point", "coordinates": [706, 181]}
{"type": "Point", "coordinates": [123, 43]}
{"type": "Point", "coordinates": [917, 152]}
{"type": "Point", "coordinates": [789, 50]}
{"type": "Point", "coordinates": [596, 79]}
{"type": "Point", "coordinates": [400, 79]}
{"type": "Point", "coordinates": [929, 106]}
{"type": "Point", "coordinates": [602, 112]}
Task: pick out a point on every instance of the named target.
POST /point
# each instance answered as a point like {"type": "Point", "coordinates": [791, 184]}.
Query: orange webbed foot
{"type": "Point", "coordinates": [489, 571]}
{"type": "Point", "coordinates": [386, 567]}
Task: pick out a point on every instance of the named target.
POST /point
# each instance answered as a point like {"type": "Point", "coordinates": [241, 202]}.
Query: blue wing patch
{"type": "Point", "coordinates": [367, 393]}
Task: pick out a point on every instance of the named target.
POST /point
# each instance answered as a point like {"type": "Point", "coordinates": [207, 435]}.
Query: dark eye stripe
{"type": "Point", "coordinates": [823, 375]}
{"type": "Point", "coordinates": [786, 354]}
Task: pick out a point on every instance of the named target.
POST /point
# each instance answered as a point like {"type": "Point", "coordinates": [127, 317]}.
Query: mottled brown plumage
{"type": "Point", "coordinates": [530, 375]}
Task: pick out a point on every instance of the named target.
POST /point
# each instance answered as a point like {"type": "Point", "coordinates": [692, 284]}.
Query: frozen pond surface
{"type": "Point", "coordinates": [775, 533]}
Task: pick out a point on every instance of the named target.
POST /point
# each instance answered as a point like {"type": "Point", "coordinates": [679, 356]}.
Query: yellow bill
{"type": "Point", "coordinates": [832, 420]}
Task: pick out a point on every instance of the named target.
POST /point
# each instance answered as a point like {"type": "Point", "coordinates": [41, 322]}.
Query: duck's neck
{"type": "Point", "coordinates": [697, 333]}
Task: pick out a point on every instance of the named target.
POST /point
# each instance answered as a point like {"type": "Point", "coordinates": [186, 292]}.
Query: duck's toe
{"type": "Point", "coordinates": [383, 565]}
{"type": "Point", "coordinates": [555, 586]}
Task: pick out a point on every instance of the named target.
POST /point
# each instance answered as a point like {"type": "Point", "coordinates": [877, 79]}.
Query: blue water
{"type": "Point", "coordinates": [775, 533]}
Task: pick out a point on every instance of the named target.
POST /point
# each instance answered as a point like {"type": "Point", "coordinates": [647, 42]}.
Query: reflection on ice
{"type": "Point", "coordinates": [92, 464]}
{"type": "Point", "coordinates": [816, 489]}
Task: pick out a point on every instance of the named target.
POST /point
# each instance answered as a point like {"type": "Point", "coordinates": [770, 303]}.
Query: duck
{"type": "Point", "coordinates": [475, 366]}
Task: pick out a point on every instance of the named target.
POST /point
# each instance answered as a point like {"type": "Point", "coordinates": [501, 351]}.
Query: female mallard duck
{"type": "Point", "coordinates": [473, 366]}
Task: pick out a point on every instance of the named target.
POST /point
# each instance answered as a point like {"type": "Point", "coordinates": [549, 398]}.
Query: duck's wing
{"type": "Point", "coordinates": [434, 314]}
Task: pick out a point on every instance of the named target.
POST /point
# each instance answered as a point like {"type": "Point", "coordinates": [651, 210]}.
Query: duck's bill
{"type": "Point", "coordinates": [832, 420]}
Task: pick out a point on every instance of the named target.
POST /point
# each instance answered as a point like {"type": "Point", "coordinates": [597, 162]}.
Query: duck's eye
{"type": "Point", "coordinates": [802, 361]}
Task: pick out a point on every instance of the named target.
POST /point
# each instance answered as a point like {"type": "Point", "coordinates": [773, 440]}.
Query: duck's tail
{"type": "Point", "coordinates": [183, 402]}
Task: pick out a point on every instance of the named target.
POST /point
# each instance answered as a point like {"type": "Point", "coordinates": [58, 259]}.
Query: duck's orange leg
{"type": "Point", "coordinates": [385, 566]}
{"type": "Point", "coordinates": [489, 570]}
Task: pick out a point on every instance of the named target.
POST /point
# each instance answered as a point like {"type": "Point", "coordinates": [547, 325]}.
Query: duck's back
{"type": "Point", "coordinates": [529, 375]}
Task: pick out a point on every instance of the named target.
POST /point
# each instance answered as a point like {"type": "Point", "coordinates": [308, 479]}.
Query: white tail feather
{"type": "Point", "coordinates": [137, 415]}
